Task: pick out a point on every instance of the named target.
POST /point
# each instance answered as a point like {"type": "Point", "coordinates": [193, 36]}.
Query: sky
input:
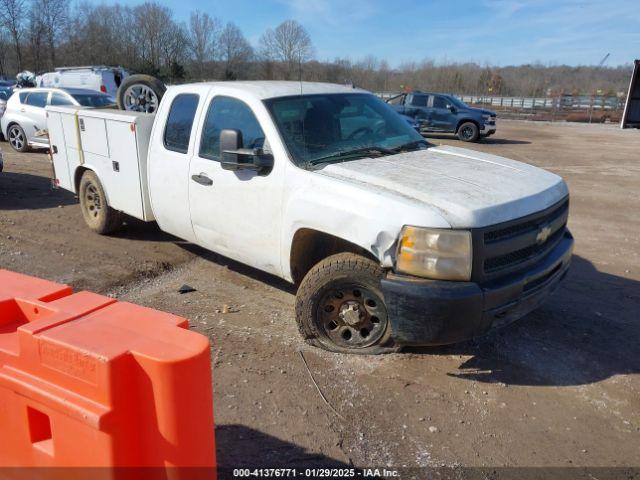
{"type": "Point", "coordinates": [497, 32]}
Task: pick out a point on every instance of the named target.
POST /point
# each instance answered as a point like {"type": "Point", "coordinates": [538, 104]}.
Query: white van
{"type": "Point", "coordinates": [98, 77]}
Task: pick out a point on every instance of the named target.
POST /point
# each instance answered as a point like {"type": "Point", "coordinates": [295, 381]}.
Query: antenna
{"type": "Point", "coordinates": [604, 59]}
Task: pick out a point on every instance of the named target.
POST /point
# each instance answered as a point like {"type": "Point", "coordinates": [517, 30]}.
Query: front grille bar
{"type": "Point", "coordinates": [500, 250]}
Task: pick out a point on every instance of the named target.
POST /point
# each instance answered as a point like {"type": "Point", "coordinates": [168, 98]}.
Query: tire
{"type": "Point", "coordinates": [140, 93]}
{"type": "Point", "coordinates": [98, 215]}
{"type": "Point", "coordinates": [340, 306]}
{"type": "Point", "coordinates": [468, 132]}
{"type": "Point", "coordinates": [17, 138]}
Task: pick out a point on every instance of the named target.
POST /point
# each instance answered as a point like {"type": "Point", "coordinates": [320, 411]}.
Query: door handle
{"type": "Point", "coordinates": [202, 179]}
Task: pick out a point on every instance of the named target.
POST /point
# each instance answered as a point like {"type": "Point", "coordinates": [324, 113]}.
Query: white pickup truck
{"type": "Point", "coordinates": [392, 241]}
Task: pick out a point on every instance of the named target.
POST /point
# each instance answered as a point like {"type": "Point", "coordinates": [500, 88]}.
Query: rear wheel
{"type": "Point", "coordinates": [468, 132]}
{"type": "Point", "coordinates": [98, 215]}
{"type": "Point", "coordinates": [17, 138]}
{"type": "Point", "coordinates": [340, 307]}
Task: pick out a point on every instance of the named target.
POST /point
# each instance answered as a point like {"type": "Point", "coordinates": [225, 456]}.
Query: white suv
{"type": "Point", "coordinates": [25, 112]}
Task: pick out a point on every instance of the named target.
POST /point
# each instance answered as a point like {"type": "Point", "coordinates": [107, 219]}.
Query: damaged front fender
{"type": "Point", "coordinates": [362, 215]}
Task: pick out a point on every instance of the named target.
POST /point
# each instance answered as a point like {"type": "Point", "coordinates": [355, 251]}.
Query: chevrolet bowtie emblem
{"type": "Point", "coordinates": [543, 234]}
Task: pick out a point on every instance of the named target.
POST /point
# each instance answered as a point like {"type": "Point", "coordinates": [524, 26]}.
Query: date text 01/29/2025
{"type": "Point", "coordinates": [315, 473]}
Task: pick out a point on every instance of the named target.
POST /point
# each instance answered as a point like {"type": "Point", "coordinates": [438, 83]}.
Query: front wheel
{"type": "Point", "coordinates": [17, 138]}
{"type": "Point", "coordinates": [468, 132]}
{"type": "Point", "coordinates": [340, 306]}
{"type": "Point", "coordinates": [98, 215]}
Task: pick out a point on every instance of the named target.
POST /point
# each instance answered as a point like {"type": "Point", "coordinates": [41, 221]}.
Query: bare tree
{"type": "Point", "coordinates": [147, 38]}
{"type": "Point", "coordinates": [290, 44]}
{"type": "Point", "coordinates": [51, 15]}
{"type": "Point", "coordinates": [36, 39]}
{"type": "Point", "coordinates": [4, 48]}
{"type": "Point", "coordinates": [174, 41]}
{"type": "Point", "coordinates": [235, 51]}
{"type": "Point", "coordinates": [204, 38]}
{"type": "Point", "coordinates": [12, 14]}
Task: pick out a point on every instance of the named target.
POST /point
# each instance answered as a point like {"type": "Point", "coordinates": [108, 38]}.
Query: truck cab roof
{"type": "Point", "coordinates": [264, 89]}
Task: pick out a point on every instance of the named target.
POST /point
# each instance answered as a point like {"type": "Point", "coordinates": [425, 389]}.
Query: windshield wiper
{"type": "Point", "coordinates": [355, 151]}
{"type": "Point", "coordinates": [410, 145]}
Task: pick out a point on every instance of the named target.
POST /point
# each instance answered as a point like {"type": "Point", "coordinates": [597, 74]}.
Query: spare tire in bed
{"type": "Point", "coordinates": [140, 93]}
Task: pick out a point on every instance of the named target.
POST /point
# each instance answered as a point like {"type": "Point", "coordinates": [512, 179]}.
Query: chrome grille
{"type": "Point", "coordinates": [500, 250]}
{"type": "Point", "coordinates": [524, 254]}
{"type": "Point", "coordinates": [524, 227]}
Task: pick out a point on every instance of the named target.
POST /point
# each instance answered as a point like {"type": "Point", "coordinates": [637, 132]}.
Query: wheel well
{"type": "Point", "coordinates": [78, 176]}
{"type": "Point", "coordinates": [465, 121]}
{"type": "Point", "coordinates": [312, 246]}
{"type": "Point", "coordinates": [10, 125]}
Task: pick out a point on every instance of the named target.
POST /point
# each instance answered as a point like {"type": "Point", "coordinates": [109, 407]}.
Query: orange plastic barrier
{"type": "Point", "coordinates": [87, 381]}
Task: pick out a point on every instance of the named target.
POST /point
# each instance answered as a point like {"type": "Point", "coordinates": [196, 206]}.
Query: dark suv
{"type": "Point", "coordinates": [437, 112]}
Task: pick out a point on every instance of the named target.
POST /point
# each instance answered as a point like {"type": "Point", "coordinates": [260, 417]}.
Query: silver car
{"type": "Point", "coordinates": [25, 113]}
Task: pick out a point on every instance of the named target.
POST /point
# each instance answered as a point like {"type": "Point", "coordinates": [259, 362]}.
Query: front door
{"type": "Point", "coordinates": [443, 118]}
{"type": "Point", "coordinates": [235, 213]}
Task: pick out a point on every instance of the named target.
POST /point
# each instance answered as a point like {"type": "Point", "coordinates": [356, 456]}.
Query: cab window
{"type": "Point", "coordinates": [177, 131]}
{"type": "Point", "coordinates": [419, 100]}
{"type": "Point", "coordinates": [439, 102]}
{"type": "Point", "coordinates": [59, 99]}
{"type": "Point", "coordinates": [37, 99]}
{"type": "Point", "coordinates": [229, 113]}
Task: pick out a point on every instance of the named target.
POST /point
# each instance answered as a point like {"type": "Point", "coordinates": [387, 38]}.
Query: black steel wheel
{"type": "Point", "coordinates": [340, 306]}
{"type": "Point", "coordinates": [352, 316]}
{"type": "Point", "coordinates": [468, 132]}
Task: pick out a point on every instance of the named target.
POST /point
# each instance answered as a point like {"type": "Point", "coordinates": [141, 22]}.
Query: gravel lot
{"type": "Point", "coordinates": [559, 388]}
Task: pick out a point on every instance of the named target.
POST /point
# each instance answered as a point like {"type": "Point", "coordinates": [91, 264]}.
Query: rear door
{"type": "Point", "coordinates": [34, 114]}
{"type": "Point", "coordinates": [419, 106]}
{"type": "Point", "coordinates": [172, 146]}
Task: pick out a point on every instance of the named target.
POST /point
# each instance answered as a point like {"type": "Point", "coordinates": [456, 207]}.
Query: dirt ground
{"type": "Point", "coordinates": [558, 388]}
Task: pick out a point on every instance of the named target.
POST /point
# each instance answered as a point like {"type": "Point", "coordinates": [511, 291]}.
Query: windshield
{"type": "Point", "coordinates": [321, 127]}
{"type": "Point", "coordinates": [456, 102]}
{"type": "Point", "coordinates": [93, 100]}
{"type": "Point", "coordinates": [5, 92]}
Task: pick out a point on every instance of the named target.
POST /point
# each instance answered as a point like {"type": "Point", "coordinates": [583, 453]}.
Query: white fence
{"type": "Point", "coordinates": [562, 102]}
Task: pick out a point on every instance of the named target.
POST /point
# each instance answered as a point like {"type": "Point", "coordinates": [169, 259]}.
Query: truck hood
{"type": "Point", "coordinates": [467, 188]}
{"type": "Point", "coordinates": [479, 111]}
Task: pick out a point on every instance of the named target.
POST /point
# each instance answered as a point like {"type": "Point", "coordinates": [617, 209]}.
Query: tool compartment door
{"type": "Point", "coordinates": [122, 169]}
{"type": "Point", "coordinates": [59, 151]}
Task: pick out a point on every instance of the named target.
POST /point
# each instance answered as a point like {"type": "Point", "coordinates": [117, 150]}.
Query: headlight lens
{"type": "Point", "coordinates": [434, 253]}
{"type": "Point", "coordinates": [486, 117]}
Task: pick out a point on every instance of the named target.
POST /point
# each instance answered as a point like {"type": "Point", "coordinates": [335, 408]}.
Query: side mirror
{"type": "Point", "coordinates": [452, 108]}
{"type": "Point", "coordinates": [234, 157]}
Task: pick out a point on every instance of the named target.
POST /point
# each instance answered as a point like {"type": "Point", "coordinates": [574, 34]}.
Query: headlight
{"type": "Point", "coordinates": [486, 117]}
{"type": "Point", "coordinates": [434, 253]}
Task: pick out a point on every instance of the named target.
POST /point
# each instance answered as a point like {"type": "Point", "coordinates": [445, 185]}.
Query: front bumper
{"type": "Point", "coordinates": [435, 312]}
{"type": "Point", "coordinates": [488, 129]}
